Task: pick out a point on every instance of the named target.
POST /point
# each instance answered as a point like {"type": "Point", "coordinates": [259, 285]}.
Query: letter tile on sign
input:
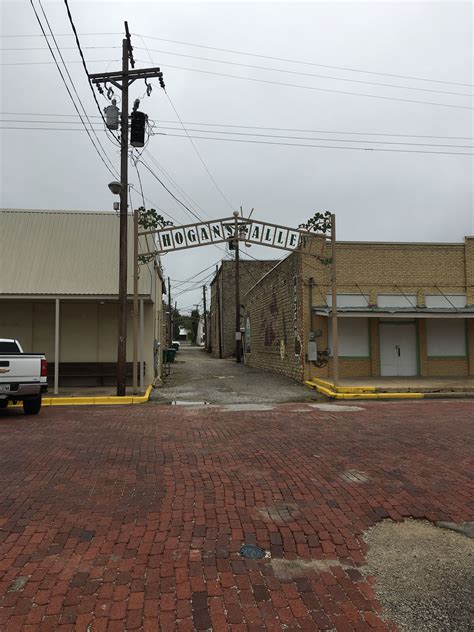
{"type": "Point", "coordinates": [165, 241]}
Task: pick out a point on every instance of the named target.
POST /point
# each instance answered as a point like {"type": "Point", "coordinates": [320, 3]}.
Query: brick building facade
{"type": "Point", "coordinates": [222, 311]}
{"type": "Point", "coordinates": [403, 309]}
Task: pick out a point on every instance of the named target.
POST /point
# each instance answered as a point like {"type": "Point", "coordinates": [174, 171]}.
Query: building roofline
{"type": "Point", "coordinates": [57, 212]}
{"type": "Point", "coordinates": [404, 243]}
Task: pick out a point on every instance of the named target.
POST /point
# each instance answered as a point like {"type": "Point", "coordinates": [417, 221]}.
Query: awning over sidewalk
{"type": "Point", "coordinates": [398, 312]}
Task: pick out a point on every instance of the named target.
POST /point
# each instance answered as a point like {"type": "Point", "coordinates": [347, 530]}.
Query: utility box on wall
{"type": "Point", "coordinates": [312, 351]}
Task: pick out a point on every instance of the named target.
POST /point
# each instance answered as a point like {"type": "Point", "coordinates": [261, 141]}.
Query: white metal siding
{"type": "Point", "coordinates": [446, 337]}
{"type": "Point", "coordinates": [349, 300]}
{"type": "Point", "coordinates": [448, 300]}
{"type": "Point", "coordinates": [396, 300]}
{"type": "Point", "coordinates": [353, 337]}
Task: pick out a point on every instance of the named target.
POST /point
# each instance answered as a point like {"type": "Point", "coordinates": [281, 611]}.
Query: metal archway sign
{"type": "Point", "coordinates": [174, 238]}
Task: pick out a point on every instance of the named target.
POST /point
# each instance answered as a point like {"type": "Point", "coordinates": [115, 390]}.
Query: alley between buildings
{"type": "Point", "coordinates": [196, 377]}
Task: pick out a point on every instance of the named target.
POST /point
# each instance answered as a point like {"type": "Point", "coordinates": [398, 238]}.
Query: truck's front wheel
{"type": "Point", "coordinates": [32, 406]}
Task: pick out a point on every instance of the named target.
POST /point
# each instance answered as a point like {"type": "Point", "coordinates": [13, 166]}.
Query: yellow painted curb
{"type": "Point", "coordinates": [94, 401]}
{"type": "Point", "coordinates": [361, 395]}
{"type": "Point", "coordinates": [343, 389]}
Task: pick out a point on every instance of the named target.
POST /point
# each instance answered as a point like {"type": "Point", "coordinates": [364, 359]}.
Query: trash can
{"type": "Point", "coordinates": [169, 354]}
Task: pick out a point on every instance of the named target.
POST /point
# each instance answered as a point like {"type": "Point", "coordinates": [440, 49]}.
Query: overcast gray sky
{"type": "Point", "coordinates": [376, 195]}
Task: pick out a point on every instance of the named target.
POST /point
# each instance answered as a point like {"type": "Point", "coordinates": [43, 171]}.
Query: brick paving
{"type": "Point", "coordinates": [131, 518]}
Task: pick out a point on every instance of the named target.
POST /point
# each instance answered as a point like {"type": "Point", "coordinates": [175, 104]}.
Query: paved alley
{"type": "Point", "coordinates": [198, 377]}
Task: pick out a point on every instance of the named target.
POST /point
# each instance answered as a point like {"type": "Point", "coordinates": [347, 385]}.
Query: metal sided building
{"type": "Point", "coordinates": [59, 294]}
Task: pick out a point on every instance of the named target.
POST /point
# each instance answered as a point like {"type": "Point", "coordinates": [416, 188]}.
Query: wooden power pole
{"type": "Point", "coordinates": [238, 333]}
{"type": "Point", "coordinates": [219, 321]}
{"type": "Point", "coordinates": [122, 79]}
{"type": "Point", "coordinates": [170, 315]}
{"type": "Point", "coordinates": [205, 317]}
{"type": "Point", "coordinates": [335, 348]}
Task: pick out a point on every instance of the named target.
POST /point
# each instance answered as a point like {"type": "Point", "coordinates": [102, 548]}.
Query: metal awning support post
{"type": "Point", "coordinates": [56, 347]}
{"type": "Point", "coordinates": [335, 353]}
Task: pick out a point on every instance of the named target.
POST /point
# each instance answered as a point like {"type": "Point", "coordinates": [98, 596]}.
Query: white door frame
{"type": "Point", "coordinates": [402, 323]}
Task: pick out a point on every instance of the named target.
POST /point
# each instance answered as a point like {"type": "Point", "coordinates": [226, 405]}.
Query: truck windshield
{"type": "Point", "coordinates": [8, 347]}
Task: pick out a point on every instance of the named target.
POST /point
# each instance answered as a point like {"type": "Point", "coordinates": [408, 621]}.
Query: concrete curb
{"type": "Point", "coordinates": [347, 392]}
{"type": "Point", "coordinates": [112, 400]}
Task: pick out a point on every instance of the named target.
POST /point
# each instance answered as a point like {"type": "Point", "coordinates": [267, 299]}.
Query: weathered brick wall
{"type": "Point", "coordinates": [275, 310]}
{"type": "Point", "coordinates": [250, 273]}
{"type": "Point", "coordinates": [371, 269]}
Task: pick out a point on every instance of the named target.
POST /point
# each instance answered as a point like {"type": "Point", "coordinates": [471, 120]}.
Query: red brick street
{"type": "Point", "coordinates": [126, 518]}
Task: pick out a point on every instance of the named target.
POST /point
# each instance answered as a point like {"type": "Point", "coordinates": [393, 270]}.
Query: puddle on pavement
{"type": "Point", "coordinates": [182, 402]}
{"type": "Point", "coordinates": [247, 407]}
{"type": "Point", "coordinates": [335, 408]}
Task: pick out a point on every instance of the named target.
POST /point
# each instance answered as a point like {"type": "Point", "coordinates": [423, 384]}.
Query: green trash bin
{"type": "Point", "coordinates": [169, 354]}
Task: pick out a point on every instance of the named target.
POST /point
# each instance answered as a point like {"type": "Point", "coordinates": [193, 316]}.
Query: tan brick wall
{"type": "Point", "coordinates": [370, 269]}
{"type": "Point", "coordinates": [250, 273]}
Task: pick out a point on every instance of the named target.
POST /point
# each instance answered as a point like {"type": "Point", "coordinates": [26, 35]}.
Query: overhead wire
{"type": "Point", "coordinates": [198, 153]}
{"type": "Point", "coordinates": [307, 63]}
{"type": "Point", "coordinates": [319, 89]}
{"type": "Point", "coordinates": [252, 134]}
{"type": "Point", "coordinates": [376, 149]}
{"type": "Point", "coordinates": [111, 170]}
{"type": "Point", "coordinates": [78, 44]}
{"type": "Point", "coordinates": [307, 74]}
{"type": "Point", "coordinates": [258, 127]}
{"type": "Point", "coordinates": [262, 142]}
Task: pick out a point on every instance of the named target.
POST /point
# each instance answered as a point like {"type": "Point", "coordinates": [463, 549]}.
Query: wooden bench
{"type": "Point", "coordinates": [90, 373]}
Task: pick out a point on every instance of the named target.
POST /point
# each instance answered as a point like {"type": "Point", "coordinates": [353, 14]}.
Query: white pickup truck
{"type": "Point", "coordinates": [23, 376]}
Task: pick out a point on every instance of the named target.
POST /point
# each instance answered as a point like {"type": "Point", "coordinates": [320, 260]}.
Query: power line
{"type": "Point", "coordinates": [78, 44]}
{"type": "Point", "coordinates": [307, 74]}
{"type": "Point", "coordinates": [73, 84]}
{"type": "Point", "coordinates": [307, 63]}
{"type": "Point", "coordinates": [258, 127]}
{"type": "Point", "coordinates": [263, 142]}
{"type": "Point", "coordinates": [173, 181]}
{"type": "Point", "coordinates": [48, 63]}
{"type": "Point", "coordinates": [329, 90]}
{"type": "Point", "coordinates": [191, 141]}
{"type": "Point", "coordinates": [341, 140]}
{"type": "Point", "coordinates": [57, 34]}
{"type": "Point", "coordinates": [195, 215]}
{"type": "Point", "coordinates": [69, 91]}
{"type": "Point", "coordinates": [63, 48]}
{"type": "Point", "coordinates": [200, 157]}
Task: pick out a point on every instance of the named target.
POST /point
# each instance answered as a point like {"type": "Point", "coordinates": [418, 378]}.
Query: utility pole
{"type": "Point", "coordinates": [122, 298]}
{"type": "Point", "coordinates": [135, 301]}
{"type": "Point", "coordinates": [335, 351]}
{"type": "Point", "coordinates": [219, 328]}
{"type": "Point", "coordinates": [170, 316]}
{"type": "Point", "coordinates": [205, 317]}
{"type": "Point", "coordinates": [122, 80]}
{"type": "Point", "coordinates": [238, 334]}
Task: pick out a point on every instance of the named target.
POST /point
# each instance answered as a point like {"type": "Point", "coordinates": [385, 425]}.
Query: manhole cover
{"type": "Point", "coordinates": [252, 552]}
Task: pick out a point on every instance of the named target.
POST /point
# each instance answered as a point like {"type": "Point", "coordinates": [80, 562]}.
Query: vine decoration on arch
{"type": "Point", "coordinates": [150, 219]}
{"type": "Point", "coordinates": [319, 223]}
